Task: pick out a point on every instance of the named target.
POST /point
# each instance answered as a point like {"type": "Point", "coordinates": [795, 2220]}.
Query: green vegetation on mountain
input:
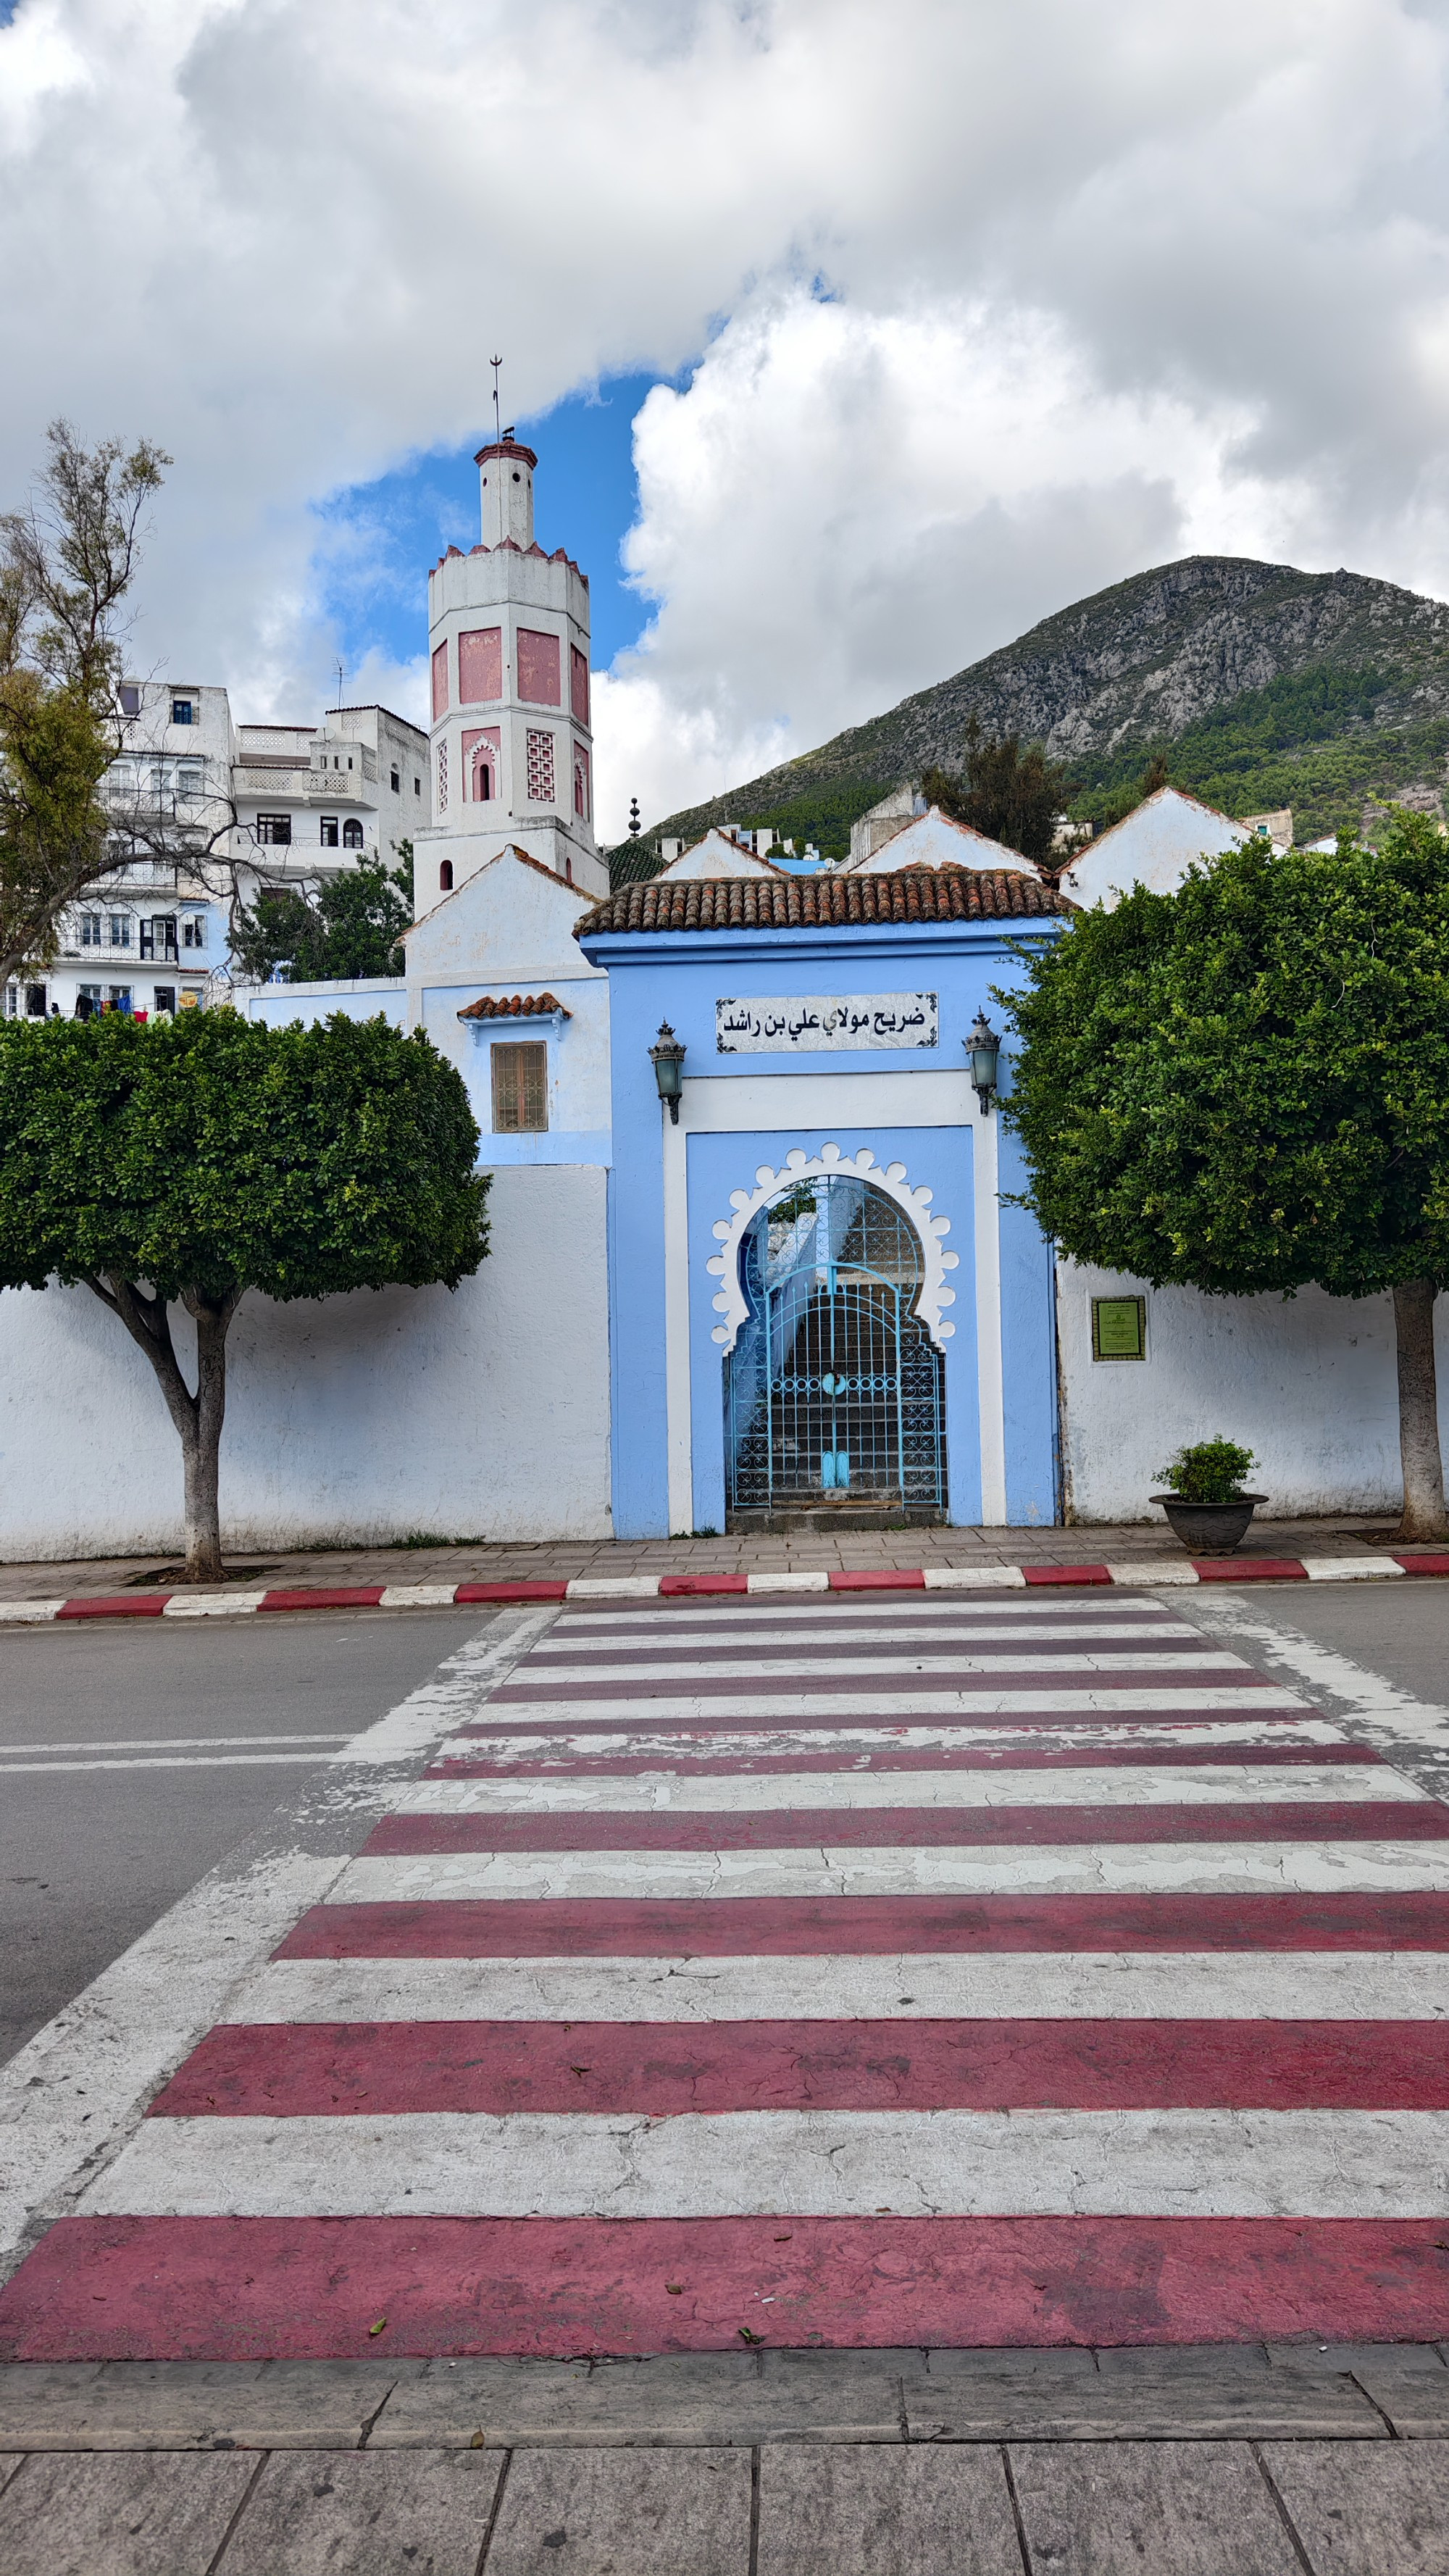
{"type": "Point", "coordinates": [1258, 685]}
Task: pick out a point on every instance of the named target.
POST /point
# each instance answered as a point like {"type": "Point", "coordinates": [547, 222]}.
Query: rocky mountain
{"type": "Point", "coordinates": [1261, 685]}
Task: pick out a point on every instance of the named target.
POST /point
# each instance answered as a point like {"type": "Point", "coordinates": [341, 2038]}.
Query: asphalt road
{"type": "Point", "coordinates": [90, 1856]}
{"type": "Point", "coordinates": [1398, 1630]}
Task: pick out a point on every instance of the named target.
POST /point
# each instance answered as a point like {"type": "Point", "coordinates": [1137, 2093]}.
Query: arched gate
{"type": "Point", "coordinates": [834, 1391]}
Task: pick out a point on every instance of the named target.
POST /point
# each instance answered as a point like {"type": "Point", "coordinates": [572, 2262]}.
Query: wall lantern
{"type": "Point", "coordinates": [984, 1046]}
{"type": "Point", "coordinates": [667, 1059]}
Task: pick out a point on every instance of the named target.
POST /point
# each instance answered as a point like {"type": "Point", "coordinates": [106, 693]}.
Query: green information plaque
{"type": "Point", "coordinates": [1119, 1328]}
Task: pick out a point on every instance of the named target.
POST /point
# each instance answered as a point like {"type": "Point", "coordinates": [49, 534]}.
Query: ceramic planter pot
{"type": "Point", "coordinates": [1210, 1529]}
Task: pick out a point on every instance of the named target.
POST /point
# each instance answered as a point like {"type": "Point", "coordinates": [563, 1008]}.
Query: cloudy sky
{"type": "Point", "coordinates": [854, 337]}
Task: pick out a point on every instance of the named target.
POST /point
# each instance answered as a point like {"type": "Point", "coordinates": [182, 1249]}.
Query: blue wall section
{"type": "Point", "coordinates": [655, 976]}
{"type": "Point", "coordinates": [1028, 1351]}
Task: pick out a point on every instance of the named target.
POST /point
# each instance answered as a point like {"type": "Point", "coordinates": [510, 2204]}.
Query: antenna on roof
{"type": "Point", "coordinates": [495, 364]}
{"type": "Point", "coordinates": [341, 670]}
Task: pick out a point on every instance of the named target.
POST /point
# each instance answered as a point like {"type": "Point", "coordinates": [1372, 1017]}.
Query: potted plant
{"type": "Point", "coordinates": [1207, 1506]}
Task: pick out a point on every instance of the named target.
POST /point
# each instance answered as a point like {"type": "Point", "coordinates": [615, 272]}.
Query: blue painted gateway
{"type": "Point", "coordinates": [819, 1304]}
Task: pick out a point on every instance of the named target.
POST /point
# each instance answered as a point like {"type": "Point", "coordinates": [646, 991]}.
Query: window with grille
{"type": "Point", "coordinates": [442, 778]}
{"type": "Point", "coordinates": [352, 833]}
{"type": "Point", "coordinates": [520, 1090]}
{"type": "Point", "coordinates": [540, 769]}
{"type": "Point", "coordinates": [120, 930]}
{"type": "Point", "coordinates": [90, 930]}
{"type": "Point", "coordinates": [331, 828]}
{"type": "Point", "coordinates": [276, 828]}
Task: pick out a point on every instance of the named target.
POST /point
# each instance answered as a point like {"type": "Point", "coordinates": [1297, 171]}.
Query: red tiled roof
{"type": "Point", "coordinates": [516, 1006]}
{"type": "Point", "coordinates": [824, 902]}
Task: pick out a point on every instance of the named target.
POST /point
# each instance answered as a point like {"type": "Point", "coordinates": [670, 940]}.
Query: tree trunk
{"type": "Point", "coordinates": [199, 1417]}
{"type": "Point", "coordinates": [1419, 1450]}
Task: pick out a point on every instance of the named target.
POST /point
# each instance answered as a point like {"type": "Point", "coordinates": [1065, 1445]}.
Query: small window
{"type": "Point", "coordinates": [274, 828]}
{"type": "Point", "coordinates": [130, 698]}
{"type": "Point", "coordinates": [191, 786]}
{"type": "Point", "coordinates": [120, 930]}
{"type": "Point", "coordinates": [183, 711]}
{"type": "Point", "coordinates": [445, 876]}
{"type": "Point", "coordinates": [1119, 1328]}
{"type": "Point", "coordinates": [90, 926]}
{"type": "Point", "coordinates": [396, 782]}
{"type": "Point", "coordinates": [193, 931]}
{"type": "Point", "coordinates": [417, 787]}
{"type": "Point", "coordinates": [351, 830]}
{"type": "Point", "coordinates": [520, 1090]}
{"type": "Point", "coordinates": [120, 997]}
{"type": "Point", "coordinates": [164, 997]}
{"type": "Point", "coordinates": [330, 829]}
{"type": "Point", "coordinates": [158, 936]}
{"type": "Point", "coordinates": [35, 1001]}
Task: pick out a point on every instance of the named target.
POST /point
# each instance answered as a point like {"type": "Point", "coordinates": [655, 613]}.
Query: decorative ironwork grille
{"type": "Point", "coordinates": [834, 1391]}
{"type": "Point", "coordinates": [540, 769]}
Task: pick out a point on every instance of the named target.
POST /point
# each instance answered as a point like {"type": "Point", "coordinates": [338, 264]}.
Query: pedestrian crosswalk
{"type": "Point", "coordinates": [820, 1971]}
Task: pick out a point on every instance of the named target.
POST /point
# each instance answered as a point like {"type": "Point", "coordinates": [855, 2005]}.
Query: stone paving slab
{"type": "Point", "coordinates": [424, 2515]}
{"type": "Point", "coordinates": [151, 2513]}
{"type": "Point", "coordinates": [1157, 2396]}
{"type": "Point", "coordinates": [1385, 2513]}
{"type": "Point", "coordinates": [1203, 2509]}
{"type": "Point", "coordinates": [177, 2405]}
{"type": "Point", "coordinates": [886, 2513]}
{"type": "Point", "coordinates": [610, 2513]}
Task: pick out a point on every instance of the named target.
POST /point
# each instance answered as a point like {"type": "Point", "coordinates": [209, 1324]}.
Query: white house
{"type": "Point", "coordinates": [1153, 846]}
{"type": "Point", "coordinates": [934, 840]}
{"type": "Point", "coordinates": [719, 854]}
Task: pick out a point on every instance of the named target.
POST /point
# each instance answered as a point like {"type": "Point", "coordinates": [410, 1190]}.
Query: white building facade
{"type": "Point", "coordinates": [265, 805]}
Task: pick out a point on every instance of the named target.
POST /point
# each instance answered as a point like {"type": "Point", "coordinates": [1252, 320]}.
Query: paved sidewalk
{"type": "Point", "coordinates": [1339, 1534]}
{"type": "Point", "coordinates": [1247, 2461]}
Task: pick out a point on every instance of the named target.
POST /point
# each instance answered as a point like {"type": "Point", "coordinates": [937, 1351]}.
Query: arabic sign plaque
{"type": "Point", "coordinates": [811, 1023]}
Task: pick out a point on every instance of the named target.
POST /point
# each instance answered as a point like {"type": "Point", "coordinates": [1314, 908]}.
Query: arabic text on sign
{"type": "Point", "coordinates": [773, 1023]}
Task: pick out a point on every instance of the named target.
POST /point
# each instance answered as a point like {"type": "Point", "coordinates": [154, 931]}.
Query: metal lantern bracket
{"type": "Point", "coordinates": [983, 1046]}
{"type": "Point", "coordinates": [667, 1058]}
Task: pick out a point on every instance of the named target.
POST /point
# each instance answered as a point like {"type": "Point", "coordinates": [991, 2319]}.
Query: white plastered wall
{"type": "Point", "coordinates": [1308, 1384]}
{"type": "Point", "coordinates": [477, 1414]}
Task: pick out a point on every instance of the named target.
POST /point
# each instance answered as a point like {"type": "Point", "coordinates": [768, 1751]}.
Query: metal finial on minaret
{"type": "Point", "coordinates": [495, 364]}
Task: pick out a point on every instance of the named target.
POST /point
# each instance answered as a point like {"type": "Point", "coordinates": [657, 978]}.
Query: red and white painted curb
{"type": "Point", "coordinates": [674, 1587]}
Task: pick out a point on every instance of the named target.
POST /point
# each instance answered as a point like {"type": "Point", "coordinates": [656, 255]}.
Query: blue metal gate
{"type": "Point", "coordinates": [834, 1389]}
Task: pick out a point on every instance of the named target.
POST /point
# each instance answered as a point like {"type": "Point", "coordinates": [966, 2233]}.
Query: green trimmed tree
{"type": "Point", "coordinates": [351, 926]}
{"type": "Point", "coordinates": [1011, 795]}
{"type": "Point", "coordinates": [1244, 1087]}
{"type": "Point", "coordinates": [185, 1162]}
{"type": "Point", "coordinates": [67, 562]}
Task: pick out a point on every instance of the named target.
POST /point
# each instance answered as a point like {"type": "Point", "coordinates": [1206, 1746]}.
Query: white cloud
{"type": "Point", "coordinates": [1110, 280]}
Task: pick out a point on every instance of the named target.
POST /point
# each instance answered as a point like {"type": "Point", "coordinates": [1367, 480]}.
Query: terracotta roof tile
{"type": "Point", "coordinates": [515, 1006]}
{"type": "Point", "coordinates": [820, 902]}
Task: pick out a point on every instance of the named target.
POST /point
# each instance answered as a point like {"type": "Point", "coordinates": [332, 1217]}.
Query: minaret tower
{"type": "Point", "coordinates": [512, 752]}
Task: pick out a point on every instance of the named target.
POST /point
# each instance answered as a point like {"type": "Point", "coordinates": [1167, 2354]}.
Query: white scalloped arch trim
{"type": "Point", "coordinates": [800, 1166]}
